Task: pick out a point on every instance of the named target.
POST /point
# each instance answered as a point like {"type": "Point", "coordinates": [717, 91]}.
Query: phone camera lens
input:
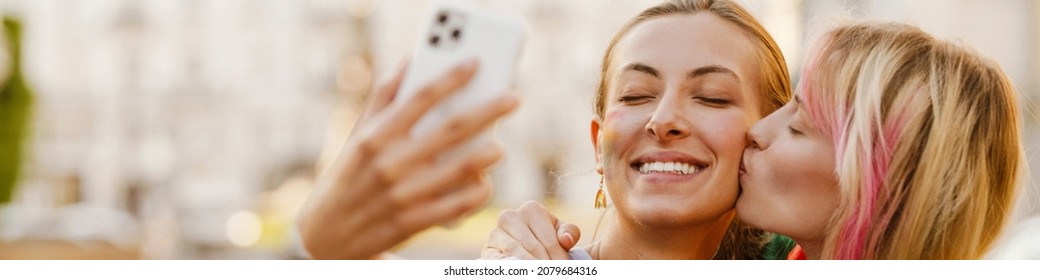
{"type": "Point", "coordinates": [442, 18]}
{"type": "Point", "coordinates": [455, 34]}
{"type": "Point", "coordinates": [434, 40]}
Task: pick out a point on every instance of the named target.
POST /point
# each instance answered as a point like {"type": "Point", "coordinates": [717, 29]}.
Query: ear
{"type": "Point", "coordinates": [596, 141]}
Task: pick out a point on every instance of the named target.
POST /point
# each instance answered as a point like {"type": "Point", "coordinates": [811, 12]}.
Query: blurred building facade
{"type": "Point", "coordinates": [192, 129]}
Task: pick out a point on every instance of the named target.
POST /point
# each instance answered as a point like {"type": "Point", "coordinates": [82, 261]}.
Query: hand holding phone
{"type": "Point", "coordinates": [382, 188]}
{"type": "Point", "coordinates": [455, 33]}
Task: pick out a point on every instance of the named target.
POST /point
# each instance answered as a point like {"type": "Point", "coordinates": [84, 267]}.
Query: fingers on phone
{"type": "Point", "coordinates": [424, 214]}
{"type": "Point", "coordinates": [408, 113]}
{"type": "Point", "coordinates": [454, 132]}
{"type": "Point", "coordinates": [465, 126]}
{"type": "Point", "coordinates": [387, 91]}
{"type": "Point", "coordinates": [427, 181]}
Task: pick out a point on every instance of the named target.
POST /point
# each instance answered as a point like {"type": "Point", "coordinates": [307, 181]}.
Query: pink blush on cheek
{"type": "Point", "coordinates": [608, 128]}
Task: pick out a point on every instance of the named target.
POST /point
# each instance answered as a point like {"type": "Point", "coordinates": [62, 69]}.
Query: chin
{"type": "Point", "coordinates": [670, 214]}
{"type": "Point", "coordinates": [662, 219]}
{"type": "Point", "coordinates": [751, 213]}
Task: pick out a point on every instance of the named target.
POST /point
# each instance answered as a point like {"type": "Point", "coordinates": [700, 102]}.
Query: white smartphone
{"type": "Point", "coordinates": [455, 32]}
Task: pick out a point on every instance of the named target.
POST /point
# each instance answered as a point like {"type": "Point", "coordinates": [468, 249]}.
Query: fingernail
{"type": "Point", "coordinates": [569, 238]}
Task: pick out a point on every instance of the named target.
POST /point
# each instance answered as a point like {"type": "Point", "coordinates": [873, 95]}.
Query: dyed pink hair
{"type": "Point", "coordinates": [832, 112]}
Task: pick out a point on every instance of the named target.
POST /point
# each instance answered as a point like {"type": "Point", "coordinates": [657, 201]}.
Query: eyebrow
{"type": "Point", "coordinates": [712, 69]}
{"type": "Point", "coordinates": [639, 67]}
{"type": "Point", "coordinates": [700, 71]}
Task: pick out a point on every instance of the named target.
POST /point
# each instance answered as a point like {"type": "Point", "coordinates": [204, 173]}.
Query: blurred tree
{"type": "Point", "coordinates": [15, 105]}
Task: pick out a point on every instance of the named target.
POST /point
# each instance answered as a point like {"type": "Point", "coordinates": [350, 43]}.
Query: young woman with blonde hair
{"type": "Point", "coordinates": [681, 84]}
{"type": "Point", "coordinates": [898, 145]}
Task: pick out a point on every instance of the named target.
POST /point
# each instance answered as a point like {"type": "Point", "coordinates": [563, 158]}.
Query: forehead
{"type": "Point", "coordinates": [684, 42]}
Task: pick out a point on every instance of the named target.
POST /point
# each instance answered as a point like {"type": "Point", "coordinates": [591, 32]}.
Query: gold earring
{"type": "Point", "coordinates": [601, 197]}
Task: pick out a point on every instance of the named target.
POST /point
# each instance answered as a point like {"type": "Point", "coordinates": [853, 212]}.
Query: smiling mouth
{"type": "Point", "coordinates": [680, 168]}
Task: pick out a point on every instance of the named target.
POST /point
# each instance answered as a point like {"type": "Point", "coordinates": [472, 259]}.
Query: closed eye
{"type": "Point", "coordinates": [794, 131]}
{"type": "Point", "coordinates": [633, 98]}
{"type": "Point", "coordinates": [714, 101]}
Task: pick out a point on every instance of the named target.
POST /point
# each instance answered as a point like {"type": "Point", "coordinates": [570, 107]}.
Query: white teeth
{"type": "Point", "coordinates": [672, 167]}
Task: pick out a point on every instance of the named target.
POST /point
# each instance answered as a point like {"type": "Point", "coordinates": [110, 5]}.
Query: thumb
{"type": "Point", "coordinates": [568, 234]}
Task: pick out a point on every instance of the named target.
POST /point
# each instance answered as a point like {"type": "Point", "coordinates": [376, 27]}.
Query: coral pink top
{"type": "Point", "coordinates": [796, 253]}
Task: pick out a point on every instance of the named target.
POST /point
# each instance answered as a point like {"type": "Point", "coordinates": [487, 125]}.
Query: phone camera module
{"type": "Point", "coordinates": [446, 30]}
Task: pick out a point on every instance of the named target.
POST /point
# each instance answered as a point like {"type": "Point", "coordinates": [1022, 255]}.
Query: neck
{"type": "Point", "coordinates": [626, 240]}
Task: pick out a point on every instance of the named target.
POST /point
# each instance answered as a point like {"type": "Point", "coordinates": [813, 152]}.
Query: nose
{"type": "Point", "coordinates": [668, 122]}
{"type": "Point", "coordinates": [763, 131]}
{"type": "Point", "coordinates": [756, 136]}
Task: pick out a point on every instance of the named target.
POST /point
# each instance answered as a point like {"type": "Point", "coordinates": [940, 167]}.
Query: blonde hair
{"type": "Point", "coordinates": [741, 241]}
{"type": "Point", "coordinates": [775, 82]}
{"type": "Point", "coordinates": [926, 137]}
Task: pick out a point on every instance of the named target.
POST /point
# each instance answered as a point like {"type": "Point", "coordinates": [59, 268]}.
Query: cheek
{"type": "Point", "coordinates": [805, 185]}
{"type": "Point", "coordinates": [819, 171]}
{"type": "Point", "coordinates": [619, 131]}
{"type": "Point", "coordinates": [609, 130]}
{"type": "Point", "coordinates": [726, 136]}
{"type": "Point", "coordinates": [795, 168]}
{"type": "Point", "coordinates": [813, 164]}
